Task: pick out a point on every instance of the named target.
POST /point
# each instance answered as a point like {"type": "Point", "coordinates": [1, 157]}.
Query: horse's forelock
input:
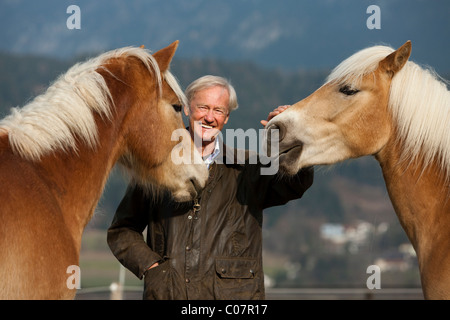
{"type": "Point", "coordinates": [353, 69]}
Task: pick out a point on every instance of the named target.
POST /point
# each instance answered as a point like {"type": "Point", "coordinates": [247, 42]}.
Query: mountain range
{"type": "Point", "coordinates": [286, 34]}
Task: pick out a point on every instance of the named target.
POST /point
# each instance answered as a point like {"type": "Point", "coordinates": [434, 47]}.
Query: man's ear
{"type": "Point", "coordinates": [186, 110]}
{"type": "Point", "coordinates": [396, 60]}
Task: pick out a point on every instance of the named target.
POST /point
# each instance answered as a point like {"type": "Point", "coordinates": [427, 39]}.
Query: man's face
{"type": "Point", "coordinates": [208, 112]}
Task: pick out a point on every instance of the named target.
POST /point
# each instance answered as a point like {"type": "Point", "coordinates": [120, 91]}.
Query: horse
{"type": "Point", "coordinates": [379, 103]}
{"type": "Point", "coordinates": [57, 151]}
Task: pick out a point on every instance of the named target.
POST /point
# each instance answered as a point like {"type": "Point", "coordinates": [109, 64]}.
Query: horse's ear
{"type": "Point", "coordinates": [397, 59]}
{"type": "Point", "coordinates": [164, 56]}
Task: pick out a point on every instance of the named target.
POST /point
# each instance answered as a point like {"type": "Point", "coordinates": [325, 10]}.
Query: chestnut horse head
{"type": "Point", "coordinates": [56, 154]}
{"type": "Point", "coordinates": [378, 103]}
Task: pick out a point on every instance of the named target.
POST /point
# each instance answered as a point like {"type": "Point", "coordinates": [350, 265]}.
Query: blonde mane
{"type": "Point", "coordinates": [65, 112]}
{"type": "Point", "coordinates": [419, 103]}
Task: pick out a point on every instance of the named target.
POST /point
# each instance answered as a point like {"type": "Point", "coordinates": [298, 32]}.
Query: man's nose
{"type": "Point", "coordinates": [209, 116]}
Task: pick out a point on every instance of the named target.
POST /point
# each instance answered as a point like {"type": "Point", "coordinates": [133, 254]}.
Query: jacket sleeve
{"type": "Point", "coordinates": [125, 238]}
{"type": "Point", "coordinates": [282, 188]}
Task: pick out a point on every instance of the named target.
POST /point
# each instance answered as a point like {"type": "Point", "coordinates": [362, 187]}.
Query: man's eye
{"type": "Point", "coordinates": [177, 107]}
{"type": "Point", "coordinates": [347, 90]}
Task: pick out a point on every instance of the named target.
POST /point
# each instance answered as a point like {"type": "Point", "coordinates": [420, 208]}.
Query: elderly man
{"type": "Point", "coordinates": [210, 248]}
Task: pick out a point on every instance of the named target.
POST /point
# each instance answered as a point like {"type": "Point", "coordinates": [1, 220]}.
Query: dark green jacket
{"type": "Point", "coordinates": [212, 253]}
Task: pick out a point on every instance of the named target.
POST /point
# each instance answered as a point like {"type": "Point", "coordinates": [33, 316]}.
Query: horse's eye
{"type": "Point", "coordinates": [177, 107]}
{"type": "Point", "coordinates": [347, 90]}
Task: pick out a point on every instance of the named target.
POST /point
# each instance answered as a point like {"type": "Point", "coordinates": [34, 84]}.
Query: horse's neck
{"type": "Point", "coordinates": [78, 178]}
{"type": "Point", "coordinates": [420, 198]}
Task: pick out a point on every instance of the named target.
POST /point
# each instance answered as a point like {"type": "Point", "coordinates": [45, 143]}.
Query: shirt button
{"type": "Point", "coordinates": [188, 248]}
{"type": "Point", "coordinates": [189, 217]}
{"type": "Point", "coordinates": [187, 280]}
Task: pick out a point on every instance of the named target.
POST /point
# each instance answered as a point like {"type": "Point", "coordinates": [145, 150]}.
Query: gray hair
{"type": "Point", "coordinates": [209, 81]}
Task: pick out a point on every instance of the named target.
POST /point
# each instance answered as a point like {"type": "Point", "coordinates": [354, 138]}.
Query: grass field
{"type": "Point", "coordinates": [99, 268]}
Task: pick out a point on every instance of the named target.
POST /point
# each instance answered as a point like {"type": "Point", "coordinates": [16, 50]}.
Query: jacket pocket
{"type": "Point", "coordinates": [236, 279]}
{"type": "Point", "coordinates": [158, 284]}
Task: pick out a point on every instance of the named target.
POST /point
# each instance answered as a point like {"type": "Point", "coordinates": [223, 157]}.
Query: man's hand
{"type": "Point", "coordinates": [153, 266]}
{"type": "Point", "coordinates": [274, 113]}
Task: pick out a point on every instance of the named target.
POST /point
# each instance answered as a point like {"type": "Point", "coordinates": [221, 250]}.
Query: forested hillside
{"type": "Point", "coordinates": [344, 223]}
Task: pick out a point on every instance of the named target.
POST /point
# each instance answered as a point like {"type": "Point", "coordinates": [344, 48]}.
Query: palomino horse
{"type": "Point", "coordinates": [378, 103]}
{"type": "Point", "coordinates": [56, 154]}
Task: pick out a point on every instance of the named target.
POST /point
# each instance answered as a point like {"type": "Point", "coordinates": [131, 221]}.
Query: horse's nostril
{"type": "Point", "coordinates": [275, 131]}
